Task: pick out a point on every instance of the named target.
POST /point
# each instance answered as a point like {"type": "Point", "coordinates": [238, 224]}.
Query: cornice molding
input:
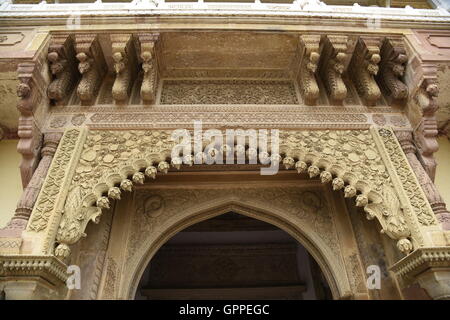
{"type": "Point", "coordinates": [34, 13]}
{"type": "Point", "coordinates": [46, 267]}
{"type": "Point", "coordinates": [421, 260]}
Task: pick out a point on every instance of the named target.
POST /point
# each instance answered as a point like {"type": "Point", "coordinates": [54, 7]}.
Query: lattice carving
{"type": "Point", "coordinates": [334, 56]}
{"type": "Point", "coordinates": [149, 67]}
{"type": "Point", "coordinates": [61, 57]}
{"type": "Point", "coordinates": [392, 69]}
{"type": "Point", "coordinates": [125, 66]}
{"type": "Point", "coordinates": [310, 55]}
{"type": "Point", "coordinates": [363, 68]}
{"type": "Point", "coordinates": [91, 66]}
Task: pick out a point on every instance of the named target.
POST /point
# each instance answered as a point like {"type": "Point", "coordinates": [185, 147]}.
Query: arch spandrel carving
{"type": "Point", "coordinates": [367, 164]}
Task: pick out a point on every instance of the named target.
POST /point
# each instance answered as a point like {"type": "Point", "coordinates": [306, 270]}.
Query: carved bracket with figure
{"type": "Point", "coordinates": [30, 93]}
{"type": "Point", "coordinates": [392, 69]}
{"type": "Point", "coordinates": [426, 130]}
{"type": "Point", "coordinates": [63, 67]}
{"type": "Point", "coordinates": [147, 44]}
{"type": "Point", "coordinates": [310, 55]}
{"type": "Point", "coordinates": [334, 57]}
{"type": "Point", "coordinates": [364, 67]}
{"type": "Point", "coordinates": [91, 65]}
{"type": "Point", "coordinates": [125, 66]}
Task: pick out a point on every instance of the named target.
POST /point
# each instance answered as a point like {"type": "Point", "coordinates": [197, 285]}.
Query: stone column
{"type": "Point", "coordinates": [26, 203]}
{"type": "Point", "coordinates": [434, 198]}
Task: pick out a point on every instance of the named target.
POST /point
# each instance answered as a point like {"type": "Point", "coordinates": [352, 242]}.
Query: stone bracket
{"type": "Point", "coordinates": [92, 67]}
{"type": "Point", "coordinates": [125, 66]}
{"type": "Point", "coordinates": [29, 91]}
{"type": "Point", "coordinates": [364, 67]}
{"type": "Point", "coordinates": [63, 67]}
{"type": "Point", "coordinates": [309, 60]}
{"type": "Point", "coordinates": [147, 53]}
{"type": "Point", "coordinates": [426, 130]}
{"type": "Point", "coordinates": [392, 69]}
{"type": "Point", "coordinates": [333, 57]}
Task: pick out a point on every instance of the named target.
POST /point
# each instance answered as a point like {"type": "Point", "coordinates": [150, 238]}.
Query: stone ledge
{"type": "Point", "coordinates": [421, 260]}
{"type": "Point", "coordinates": [21, 267]}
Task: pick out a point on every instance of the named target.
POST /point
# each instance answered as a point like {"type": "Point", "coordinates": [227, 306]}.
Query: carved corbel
{"type": "Point", "coordinates": [389, 213]}
{"type": "Point", "coordinates": [334, 57]}
{"type": "Point", "coordinates": [426, 130]}
{"type": "Point", "coordinates": [309, 59]}
{"type": "Point", "coordinates": [149, 66]}
{"type": "Point", "coordinates": [364, 67]}
{"type": "Point", "coordinates": [75, 218]}
{"type": "Point", "coordinates": [434, 198]}
{"type": "Point", "coordinates": [91, 65]}
{"type": "Point", "coordinates": [125, 66]}
{"type": "Point", "coordinates": [392, 69]}
{"type": "Point", "coordinates": [30, 93]}
{"type": "Point", "coordinates": [61, 57]}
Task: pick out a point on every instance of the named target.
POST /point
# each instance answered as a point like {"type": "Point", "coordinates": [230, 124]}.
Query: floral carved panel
{"type": "Point", "coordinates": [366, 164]}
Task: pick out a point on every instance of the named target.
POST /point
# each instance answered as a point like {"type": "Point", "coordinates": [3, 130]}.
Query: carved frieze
{"type": "Point", "coordinates": [228, 92]}
{"type": "Point", "coordinates": [348, 159]}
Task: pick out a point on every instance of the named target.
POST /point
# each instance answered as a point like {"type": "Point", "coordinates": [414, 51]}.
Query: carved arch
{"type": "Point", "coordinates": [331, 266]}
{"type": "Point", "coordinates": [95, 166]}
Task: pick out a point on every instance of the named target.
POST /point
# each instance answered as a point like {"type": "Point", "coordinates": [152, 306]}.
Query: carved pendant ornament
{"type": "Point", "coordinates": [92, 168]}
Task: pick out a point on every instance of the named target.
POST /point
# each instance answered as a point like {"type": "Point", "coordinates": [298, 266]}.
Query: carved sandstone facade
{"type": "Point", "coordinates": [356, 114]}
